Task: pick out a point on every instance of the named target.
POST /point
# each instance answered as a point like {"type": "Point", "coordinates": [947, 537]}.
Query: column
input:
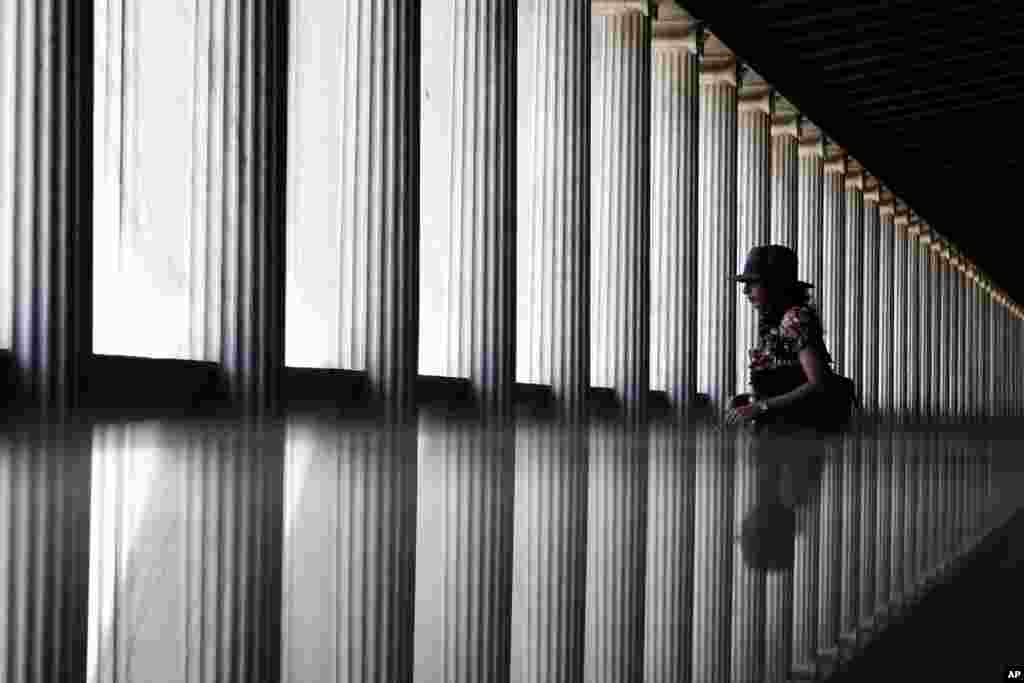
{"type": "Point", "coordinates": [553, 340]}
{"type": "Point", "coordinates": [44, 552]}
{"type": "Point", "coordinates": [46, 198]}
{"type": "Point", "coordinates": [833, 311]}
{"type": "Point", "coordinates": [853, 368]}
{"type": "Point", "coordinates": [785, 177]}
{"type": "Point", "coordinates": [785, 173]}
{"type": "Point", "coordinates": [886, 368]}
{"type": "Point", "coordinates": [716, 351]}
{"type": "Point", "coordinates": [236, 239]}
{"type": "Point", "coordinates": [748, 582]}
{"type": "Point", "coordinates": [356, 489]}
{"type": "Point", "coordinates": [467, 458]}
{"type": "Point", "coordinates": [811, 153]}
{"type": "Point", "coordinates": [620, 338]}
{"type": "Point", "coordinates": [901, 526]}
{"type": "Point", "coordinates": [869, 480]}
{"type": "Point", "coordinates": [674, 137]}
{"type": "Point", "coordinates": [753, 210]}
{"type": "Point", "coordinates": [668, 606]}
{"type": "Point", "coordinates": [829, 562]}
{"type": "Point", "coordinates": [185, 563]}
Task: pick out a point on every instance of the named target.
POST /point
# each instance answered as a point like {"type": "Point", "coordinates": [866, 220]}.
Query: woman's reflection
{"type": "Point", "coordinates": [788, 469]}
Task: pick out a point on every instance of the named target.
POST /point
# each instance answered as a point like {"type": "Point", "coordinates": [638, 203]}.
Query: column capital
{"type": "Point", "coordinates": [926, 236]}
{"type": "Point", "coordinates": [915, 229]}
{"type": "Point", "coordinates": [887, 204]}
{"type": "Point", "coordinates": [854, 175]}
{"type": "Point", "coordinates": [835, 160]}
{"type": "Point", "coordinates": [872, 189]}
{"type": "Point", "coordinates": [680, 33]}
{"type": "Point", "coordinates": [753, 92]}
{"type": "Point", "coordinates": [718, 63]}
{"type": "Point", "coordinates": [811, 141]}
{"type": "Point", "coordinates": [901, 216]}
{"type": "Point", "coordinates": [601, 8]}
{"type": "Point", "coordinates": [785, 118]}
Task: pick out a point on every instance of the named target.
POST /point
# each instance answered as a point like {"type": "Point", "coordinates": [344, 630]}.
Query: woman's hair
{"type": "Point", "coordinates": [781, 299]}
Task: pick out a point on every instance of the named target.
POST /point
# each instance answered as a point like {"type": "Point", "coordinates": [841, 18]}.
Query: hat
{"type": "Point", "coordinates": [772, 263]}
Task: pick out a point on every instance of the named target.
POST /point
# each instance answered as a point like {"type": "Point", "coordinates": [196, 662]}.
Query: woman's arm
{"type": "Point", "coordinates": [810, 361]}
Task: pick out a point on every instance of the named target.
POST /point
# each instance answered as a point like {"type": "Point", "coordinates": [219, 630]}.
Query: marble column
{"type": "Point", "coordinates": [886, 370]}
{"type": "Point", "coordinates": [236, 241]}
{"type": "Point", "coordinates": [185, 566]}
{"type": "Point", "coordinates": [674, 158]}
{"type": "Point", "coordinates": [46, 81]}
{"type": "Point", "coordinates": [811, 154]}
{"type": "Point", "coordinates": [785, 174]}
{"type": "Point", "coordinates": [670, 534]}
{"type": "Point", "coordinates": [44, 552]}
{"type": "Point", "coordinates": [901, 527]}
{"type": "Point", "coordinates": [833, 289]}
{"type": "Point", "coordinates": [853, 368]}
{"type": "Point", "coordinates": [747, 650]}
{"type": "Point", "coordinates": [553, 340]}
{"type": "Point", "coordinates": [717, 361]}
{"type": "Point", "coordinates": [753, 210]}
{"type": "Point", "coordinates": [829, 561]}
{"type": "Point", "coordinates": [870, 403]}
{"type": "Point", "coordinates": [370, 504]}
{"type": "Point", "coordinates": [621, 59]}
{"type": "Point", "coordinates": [466, 460]}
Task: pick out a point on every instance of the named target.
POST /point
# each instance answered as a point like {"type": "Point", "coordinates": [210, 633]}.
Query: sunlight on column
{"type": "Point", "coordinates": [126, 463]}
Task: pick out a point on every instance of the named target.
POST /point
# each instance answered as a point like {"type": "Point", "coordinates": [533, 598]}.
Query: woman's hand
{"type": "Point", "coordinates": [742, 413]}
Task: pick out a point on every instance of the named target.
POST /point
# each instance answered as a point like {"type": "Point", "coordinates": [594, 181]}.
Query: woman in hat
{"type": "Point", "coordinates": [789, 362]}
{"type": "Point", "coordinates": [787, 372]}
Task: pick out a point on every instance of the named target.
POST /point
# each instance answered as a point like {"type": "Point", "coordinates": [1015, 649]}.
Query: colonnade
{"type": "Point", "coordinates": [601, 215]}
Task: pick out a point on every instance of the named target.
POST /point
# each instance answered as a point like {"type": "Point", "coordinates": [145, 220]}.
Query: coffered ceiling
{"type": "Point", "coordinates": [928, 96]}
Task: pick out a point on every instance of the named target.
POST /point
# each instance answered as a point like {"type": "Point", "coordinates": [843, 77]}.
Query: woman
{"type": "Point", "coordinates": [789, 363]}
{"type": "Point", "coordinates": [787, 375]}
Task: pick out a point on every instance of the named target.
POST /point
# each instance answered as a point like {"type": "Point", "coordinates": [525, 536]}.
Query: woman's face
{"type": "Point", "coordinates": [756, 292]}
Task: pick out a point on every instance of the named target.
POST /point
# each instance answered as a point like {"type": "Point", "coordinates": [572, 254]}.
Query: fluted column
{"type": "Point", "coordinates": [785, 133]}
{"type": "Point", "coordinates": [869, 483]}
{"type": "Point", "coordinates": [464, 581]}
{"type": "Point", "coordinates": [747, 648]}
{"type": "Point", "coordinates": [236, 295]}
{"type": "Point", "coordinates": [811, 153]}
{"type": "Point", "coordinates": [829, 559]}
{"type": "Point", "coordinates": [886, 370]}
{"type": "Point", "coordinates": [185, 566]}
{"type": "Point", "coordinates": [674, 136]}
{"type": "Point", "coordinates": [853, 367]}
{"type": "Point", "coordinates": [753, 209]}
{"type": "Point", "coordinates": [44, 553]}
{"type": "Point", "coordinates": [717, 370]}
{"type": "Point", "coordinates": [717, 192]}
{"type": "Point", "coordinates": [620, 338]}
{"type": "Point", "coordinates": [553, 345]}
{"type": "Point", "coordinates": [901, 527]}
{"type": "Point", "coordinates": [46, 79]}
{"type": "Point", "coordinates": [806, 551]}
{"type": "Point", "coordinates": [833, 310]}
{"type": "Point", "coordinates": [366, 635]}
{"type": "Point", "coordinates": [668, 607]}
{"type": "Point", "coordinates": [870, 296]}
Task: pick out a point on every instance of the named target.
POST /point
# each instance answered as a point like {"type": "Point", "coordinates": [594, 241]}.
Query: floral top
{"type": "Point", "coordinates": [775, 362]}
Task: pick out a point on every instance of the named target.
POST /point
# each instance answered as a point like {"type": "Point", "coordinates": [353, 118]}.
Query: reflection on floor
{"type": "Point", "coordinates": [461, 550]}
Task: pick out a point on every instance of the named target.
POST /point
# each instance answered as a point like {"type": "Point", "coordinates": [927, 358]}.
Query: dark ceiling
{"type": "Point", "coordinates": [927, 96]}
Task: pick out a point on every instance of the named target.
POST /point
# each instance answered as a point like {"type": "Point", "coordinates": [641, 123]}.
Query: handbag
{"type": "Point", "coordinates": [836, 407]}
